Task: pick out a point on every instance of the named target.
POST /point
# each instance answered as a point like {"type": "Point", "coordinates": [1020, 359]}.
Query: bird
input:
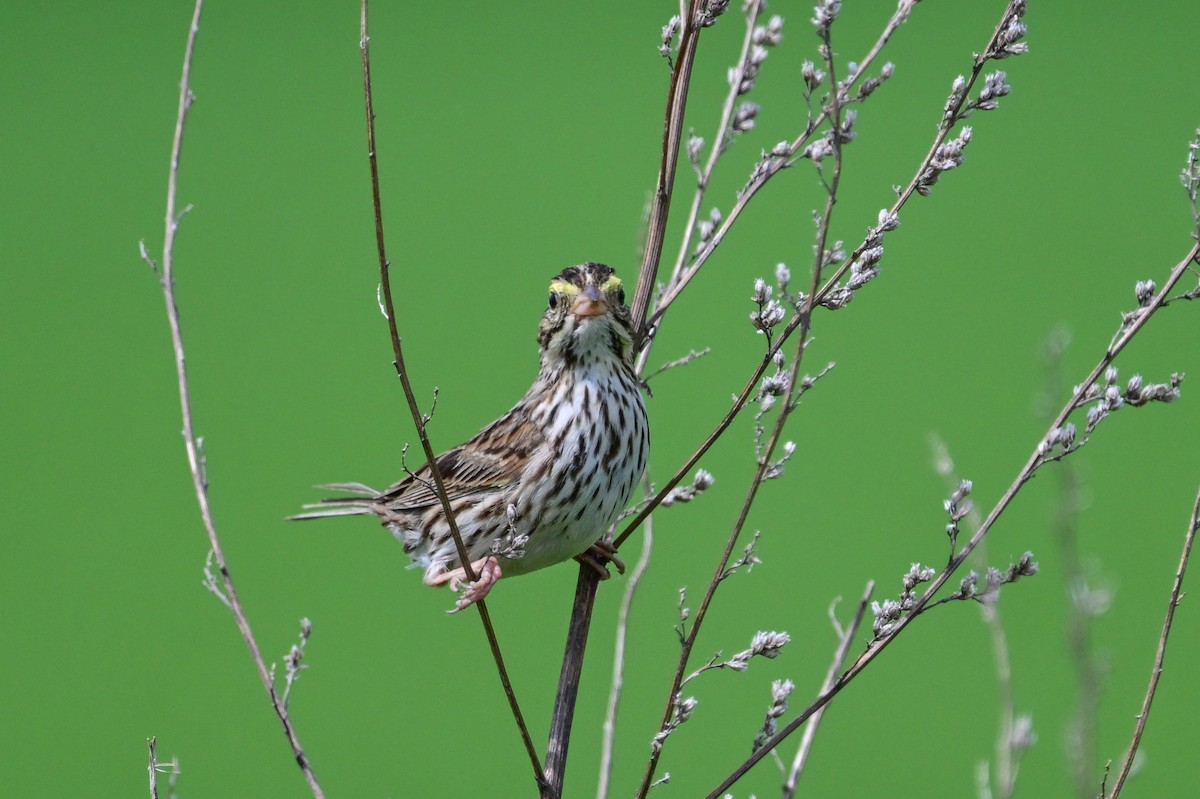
{"type": "Point", "coordinates": [544, 482]}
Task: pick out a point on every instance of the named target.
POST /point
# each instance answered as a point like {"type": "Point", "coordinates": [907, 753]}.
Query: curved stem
{"type": "Point", "coordinates": [227, 592]}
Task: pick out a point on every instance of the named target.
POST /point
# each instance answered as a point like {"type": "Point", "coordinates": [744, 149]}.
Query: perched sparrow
{"type": "Point", "coordinates": [546, 480]}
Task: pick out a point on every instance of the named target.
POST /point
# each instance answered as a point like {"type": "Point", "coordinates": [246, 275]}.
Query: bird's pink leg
{"type": "Point", "coordinates": [487, 571]}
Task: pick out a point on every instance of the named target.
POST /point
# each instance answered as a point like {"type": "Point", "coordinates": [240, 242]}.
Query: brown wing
{"type": "Point", "coordinates": [492, 459]}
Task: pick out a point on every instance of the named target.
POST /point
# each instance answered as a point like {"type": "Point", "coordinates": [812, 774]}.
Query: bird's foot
{"type": "Point", "coordinates": [487, 572]}
{"type": "Point", "coordinates": [598, 556]}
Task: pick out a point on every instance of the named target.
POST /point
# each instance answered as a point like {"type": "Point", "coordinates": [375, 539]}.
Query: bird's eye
{"type": "Point", "coordinates": [553, 299]}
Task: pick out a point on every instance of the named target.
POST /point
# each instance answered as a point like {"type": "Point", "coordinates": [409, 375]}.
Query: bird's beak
{"type": "Point", "coordinates": [590, 302]}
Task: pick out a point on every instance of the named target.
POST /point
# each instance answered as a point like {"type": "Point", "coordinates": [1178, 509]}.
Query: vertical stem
{"type": "Point", "coordinates": [589, 579]}
{"type": "Point", "coordinates": [681, 77]}
{"type": "Point", "coordinates": [568, 682]}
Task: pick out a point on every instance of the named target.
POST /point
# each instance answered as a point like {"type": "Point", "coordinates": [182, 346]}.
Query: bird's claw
{"type": "Point", "coordinates": [598, 556]}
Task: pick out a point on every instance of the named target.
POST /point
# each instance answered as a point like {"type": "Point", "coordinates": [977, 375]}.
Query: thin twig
{"type": "Point", "coordinates": [1160, 654]}
{"type": "Point", "coordinates": [190, 440]}
{"type": "Point", "coordinates": [876, 647]}
{"type": "Point", "coordinates": [415, 411]}
{"type": "Point", "coordinates": [845, 637]}
{"type": "Point", "coordinates": [608, 738]}
{"type": "Point", "coordinates": [950, 120]}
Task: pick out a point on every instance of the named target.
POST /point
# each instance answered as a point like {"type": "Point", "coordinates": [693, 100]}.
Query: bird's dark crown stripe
{"type": "Point", "coordinates": [590, 272]}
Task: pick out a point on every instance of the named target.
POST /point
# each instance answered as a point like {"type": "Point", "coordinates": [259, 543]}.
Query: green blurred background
{"type": "Point", "coordinates": [516, 139]}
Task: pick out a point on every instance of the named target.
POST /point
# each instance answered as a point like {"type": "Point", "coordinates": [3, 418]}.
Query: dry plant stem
{"type": "Point", "coordinates": [681, 76]}
{"type": "Point", "coordinates": [190, 440]}
{"type": "Point", "coordinates": [614, 694]}
{"type": "Point", "coordinates": [830, 283]}
{"type": "Point", "coordinates": [845, 637]}
{"type": "Point", "coordinates": [1160, 654]}
{"type": "Point", "coordinates": [876, 647]}
{"type": "Point", "coordinates": [568, 684]}
{"type": "Point", "coordinates": [775, 166]}
{"type": "Point", "coordinates": [785, 407]}
{"type": "Point", "coordinates": [588, 582]}
{"type": "Point", "coordinates": [689, 640]}
{"type": "Point", "coordinates": [414, 409]}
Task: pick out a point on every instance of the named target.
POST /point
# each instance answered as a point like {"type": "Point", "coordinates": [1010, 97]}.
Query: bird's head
{"type": "Point", "coordinates": [586, 317]}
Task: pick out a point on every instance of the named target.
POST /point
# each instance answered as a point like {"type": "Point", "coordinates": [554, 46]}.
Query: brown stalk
{"type": "Point", "coordinates": [686, 275]}
{"type": "Point", "coordinates": [415, 411]}
{"type": "Point", "coordinates": [588, 581]}
{"type": "Point", "coordinates": [681, 76]}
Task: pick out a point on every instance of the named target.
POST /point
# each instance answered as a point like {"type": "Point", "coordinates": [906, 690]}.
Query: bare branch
{"type": "Point", "coordinates": [774, 164]}
{"type": "Point", "coordinates": [191, 441]}
{"type": "Point", "coordinates": [585, 592]}
{"type": "Point", "coordinates": [718, 145]}
{"type": "Point", "coordinates": [887, 221]}
{"type": "Point", "coordinates": [656, 232]}
{"type": "Point", "coordinates": [804, 316]}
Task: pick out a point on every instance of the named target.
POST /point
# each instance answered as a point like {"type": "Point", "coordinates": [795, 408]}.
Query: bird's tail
{"type": "Point", "coordinates": [358, 504]}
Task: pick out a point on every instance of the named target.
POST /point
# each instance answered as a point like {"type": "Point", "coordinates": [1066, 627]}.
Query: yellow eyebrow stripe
{"type": "Point", "coordinates": [563, 287]}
